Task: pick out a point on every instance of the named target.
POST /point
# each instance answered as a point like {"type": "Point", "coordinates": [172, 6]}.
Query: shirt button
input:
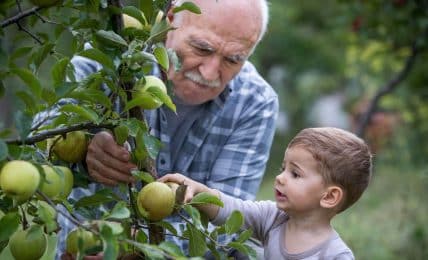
{"type": "Point", "coordinates": [162, 161]}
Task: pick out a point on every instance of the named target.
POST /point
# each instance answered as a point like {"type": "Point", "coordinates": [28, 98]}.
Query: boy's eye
{"type": "Point", "coordinates": [295, 174]}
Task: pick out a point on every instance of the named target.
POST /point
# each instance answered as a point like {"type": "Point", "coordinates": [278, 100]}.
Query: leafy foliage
{"type": "Point", "coordinates": [37, 71]}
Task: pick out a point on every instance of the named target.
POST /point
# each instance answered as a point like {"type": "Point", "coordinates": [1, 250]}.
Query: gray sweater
{"type": "Point", "coordinates": [269, 226]}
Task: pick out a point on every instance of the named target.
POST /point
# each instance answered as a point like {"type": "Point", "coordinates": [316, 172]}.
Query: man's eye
{"type": "Point", "coordinates": [232, 61]}
{"type": "Point", "coordinates": [203, 51]}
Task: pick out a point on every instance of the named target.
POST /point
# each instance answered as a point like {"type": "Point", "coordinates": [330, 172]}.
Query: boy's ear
{"type": "Point", "coordinates": [332, 197]}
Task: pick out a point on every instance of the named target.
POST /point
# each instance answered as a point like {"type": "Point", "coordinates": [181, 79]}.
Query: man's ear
{"type": "Point", "coordinates": [170, 16]}
{"type": "Point", "coordinates": [332, 197]}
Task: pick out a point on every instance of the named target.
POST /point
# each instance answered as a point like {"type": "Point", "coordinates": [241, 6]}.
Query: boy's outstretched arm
{"type": "Point", "coordinates": [193, 188]}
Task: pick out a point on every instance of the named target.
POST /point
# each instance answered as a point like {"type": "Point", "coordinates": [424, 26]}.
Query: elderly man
{"type": "Point", "coordinates": [225, 121]}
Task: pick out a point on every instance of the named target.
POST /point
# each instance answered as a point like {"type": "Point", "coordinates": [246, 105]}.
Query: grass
{"type": "Point", "coordinates": [390, 220]}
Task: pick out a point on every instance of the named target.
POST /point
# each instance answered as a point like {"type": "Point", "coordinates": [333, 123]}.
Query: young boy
{"type": "Point", "coordinates": [325, 170]}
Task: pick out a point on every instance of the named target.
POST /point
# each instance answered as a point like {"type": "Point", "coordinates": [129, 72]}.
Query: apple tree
{"type": "Point", "coordinates": [41, 156]}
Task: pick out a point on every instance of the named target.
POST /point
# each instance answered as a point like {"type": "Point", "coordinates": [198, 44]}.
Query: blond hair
{"type": "Point", "coordinates": [344, 159]}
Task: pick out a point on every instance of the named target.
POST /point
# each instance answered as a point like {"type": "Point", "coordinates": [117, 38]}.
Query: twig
{"type": "Point", "coordinates": [205, 234]}
{"type": "Point", "coordinates": [44, 20]}
{"type": "Point", "coordinates": [19, 16]}
{"type": "Point", "coordinates": [29, 33]}
{"type": "Point", "coordinates": [59, 131]}
{"type": "Point", "coordinates": [387, 88]}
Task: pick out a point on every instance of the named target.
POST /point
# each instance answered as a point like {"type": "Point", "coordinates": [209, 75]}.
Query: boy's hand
{"type": "Point", "coordinates": [193, 188]}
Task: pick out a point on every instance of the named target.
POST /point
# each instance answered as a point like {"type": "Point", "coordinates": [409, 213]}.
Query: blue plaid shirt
{"type": "Point", "coordinates": [226, 147]}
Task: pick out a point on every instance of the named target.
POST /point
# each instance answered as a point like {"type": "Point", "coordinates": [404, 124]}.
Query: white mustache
{"type": "Point", "coordinates": [197, 77]}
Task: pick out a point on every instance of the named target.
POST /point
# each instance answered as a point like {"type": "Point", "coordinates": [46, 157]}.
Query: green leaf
{"type": "Point", "coordinates": [245, 235]}
{"type": "Point", "coordinates": [84, 112]}
{"type": "Point", "coordinates": [110, 38]}
{"type": "Point", "coordinates": [115, 227]}
{"type": "Point", "coordinates": [29, 79]}
{"type": "Point", "coordinates": [98, 198]}
{"type": "Point", "coordinates": [162, 56]}
{"type": "Point", "coordinates": [121, 134]}
{"type": "Point", "coordinates": [64, 88]}
{"type": "Point", "coordinates": [134, 126]}
{"type": "Point", "coordinates": [141, 237]}
{"type": "Point", "coordinates": [206, 198]}
{"type": "Point", "coordinates": [8, 225]}
{"type": "Point", "coordinates": [194, 214]}
{"type": "Point", "coordinates": [238, 246]}
{"type": "Point", "coordinates": [4, 152]}
{"type": "Point", "coordinates": [234, 222]}
{"type": "Point", "coordinates": [152, 144]}
{"type": "Point", "coordinates": [59, 70]}
{"type": "Point", "coordinates": [40, 55]}
{"type": "Point", "coordinates": [49, 96]}
{"type": "Point", "coordinates": [111, 247]}
{"type": "Point", "coordinates": [23, 123]}
{"type": "Point", "coordinates": [136, 13]}
{"type": "Point", "coordinates": [151, 252]}
{"type": "Point", "coordinates": [143, 176]}
{"type": "Point", "coordinates": [189, 6]}
{"type": "Point", "coordinates": [171, 248]}
{"type": "Point", "coordinates": [93, 96]}
{"type": "Point", "coordinates": [19, 53]}
{"type": "Point", "coordinates": [159, 31]}
{"type": "Point", "coordinates": [162, 96]}
{"type": "Point", "coordinates": [251, 252]}
{"type": "Point", "coordinates": [99, 56]}
{"type": "Point", "coordinates": [120, 211]}
{"type": "Point", "coordinates": [166, 225]}
{"type": "Point", "coordinates": [48, 215]}
{"type": "Point", "coordinates": [197, 244]}
{"type": "Point", "coordinates": [146, 7]}
{"type": "Point", "coordinates": [28, 99]}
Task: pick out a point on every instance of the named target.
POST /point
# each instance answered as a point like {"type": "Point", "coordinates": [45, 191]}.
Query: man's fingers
{"type": "Point", "coordinates": [105, 141]}
{"type": "Point", "coordinates": [97, 170]}
{"type": "Point", "coordinates": [101, 179]}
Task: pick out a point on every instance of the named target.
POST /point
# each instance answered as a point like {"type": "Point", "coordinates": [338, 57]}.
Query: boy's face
{"type": "Point", "coordinates": [299, 187]}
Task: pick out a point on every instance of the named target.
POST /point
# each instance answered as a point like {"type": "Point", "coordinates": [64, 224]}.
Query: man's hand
{"type": "Point", "coordinates": [108, 162]}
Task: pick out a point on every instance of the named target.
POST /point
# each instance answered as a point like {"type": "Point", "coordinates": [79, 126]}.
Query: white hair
{"type": "Point", "coordinates": [264, 10]}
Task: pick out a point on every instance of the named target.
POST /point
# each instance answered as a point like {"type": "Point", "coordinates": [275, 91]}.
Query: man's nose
{"type": "Point", "coordinates": [210, 68]}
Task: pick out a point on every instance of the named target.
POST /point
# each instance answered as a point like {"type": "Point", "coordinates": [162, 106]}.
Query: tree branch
{"type": "Point", "coordinates": [19, 16]}
{"type": "Point", "coordinates": [43, 135]}
{"type": "Point", "coordinates": [387, 88]}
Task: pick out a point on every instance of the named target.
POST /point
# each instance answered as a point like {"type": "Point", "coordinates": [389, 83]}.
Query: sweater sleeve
{"type": "Point", "coordinates": [259, 216]}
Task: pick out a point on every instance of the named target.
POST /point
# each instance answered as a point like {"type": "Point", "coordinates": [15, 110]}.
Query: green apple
{"type": "Point", "coordinates": [53, 183]}
{"type": "Point", "coordinates": [19, 180]}
{"type": "Point", "coordinates": [72, 149]}
{"type": "Point", "coordinates": [88, 240]}
{"type": "Point", "coordinates": [149, 102]}
{"type": "Point", "coordinates": [68, 182]}
{"type": "Point", "coordinates": [26, 245]}
{"type": "Point", "coordinates": [44, 3]}
{"type": "Point", "coordinates": [157, 200]}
